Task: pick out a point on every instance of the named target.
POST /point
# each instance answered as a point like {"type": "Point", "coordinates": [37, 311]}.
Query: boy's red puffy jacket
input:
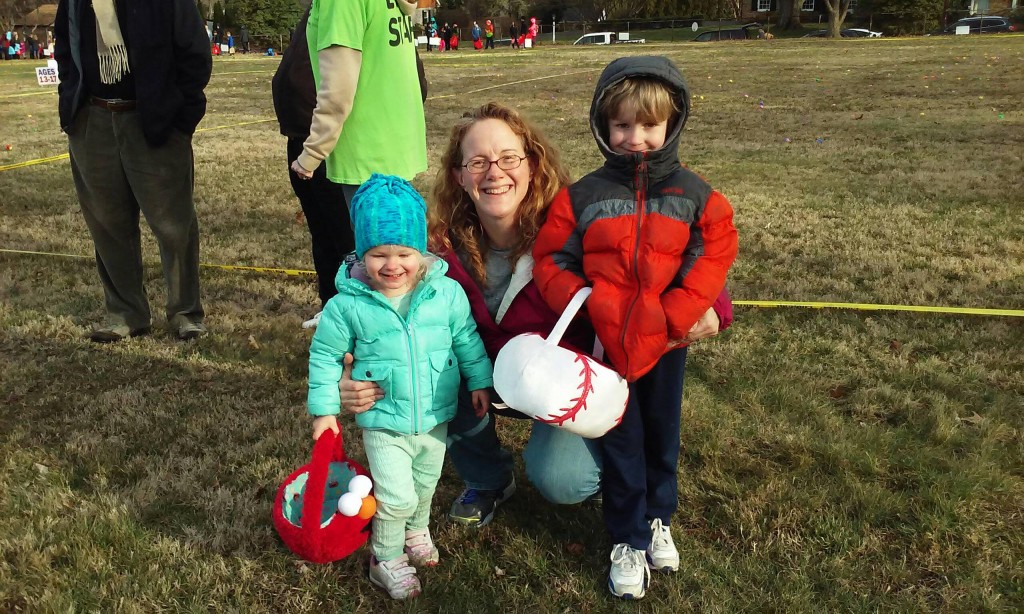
{"type": "Point", "coordinates": [651, 237]}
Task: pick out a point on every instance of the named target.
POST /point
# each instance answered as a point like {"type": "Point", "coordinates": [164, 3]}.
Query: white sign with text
{"type": "Point", "coordinates": [47, 75]}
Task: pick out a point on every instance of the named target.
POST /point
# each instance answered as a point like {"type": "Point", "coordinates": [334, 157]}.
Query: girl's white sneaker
{"type": "Point", "coordinates": [420, 548]}
{"type": "Point", "coordinates": [396, 576]}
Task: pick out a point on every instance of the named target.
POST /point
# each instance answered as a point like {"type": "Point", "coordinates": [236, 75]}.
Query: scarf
{"type": "Point", "coordinates": [110, 48]}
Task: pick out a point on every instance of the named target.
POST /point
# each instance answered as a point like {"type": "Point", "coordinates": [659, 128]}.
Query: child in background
{"type": "Point", "coordinates": [659, 242]}
{"type": "Point", "coordinates": [409, 330]}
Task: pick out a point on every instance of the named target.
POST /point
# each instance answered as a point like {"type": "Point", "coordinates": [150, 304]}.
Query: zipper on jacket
{"type": "Point", "coordinates": [640, 183]}
{"type": "Point", "coordinates": [410, 338]}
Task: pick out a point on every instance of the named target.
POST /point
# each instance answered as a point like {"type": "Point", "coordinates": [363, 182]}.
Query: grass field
{"type": "Point", "coordinates": [833, 460]}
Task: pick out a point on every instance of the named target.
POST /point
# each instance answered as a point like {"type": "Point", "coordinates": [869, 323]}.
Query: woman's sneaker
{"type": "Point", "coordinates": [314, 321]}
{"type": "Point", "coordinates": [420, 548]}
{"type": "Point", "coordinates": [629, 575]}
{"type": "Point", "coordinates": [662, 554]}
{"type": "Point", "coordinates": [396, 576]}
{"type": "Point", "coordinates": [475, 507]}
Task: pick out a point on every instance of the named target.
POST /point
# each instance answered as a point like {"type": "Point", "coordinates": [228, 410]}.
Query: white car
{"type": "Point", "coordinates": [605, 38]}
{"type": "Point", "coordinates": [865, 32]}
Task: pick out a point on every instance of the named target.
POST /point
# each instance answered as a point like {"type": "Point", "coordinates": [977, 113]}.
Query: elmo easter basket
{"type": "Point", "coordinates": [306, 512]}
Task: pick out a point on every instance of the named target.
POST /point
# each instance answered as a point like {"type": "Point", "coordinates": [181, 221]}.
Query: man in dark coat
{"type": "Point", "coordinates": [132, 75]}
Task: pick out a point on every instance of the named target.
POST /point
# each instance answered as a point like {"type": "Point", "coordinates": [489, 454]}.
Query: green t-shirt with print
{"type": "Point", "coordinates": [385, 131]}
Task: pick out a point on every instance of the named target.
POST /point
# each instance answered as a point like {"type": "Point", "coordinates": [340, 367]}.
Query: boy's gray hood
{"type": "Point", "coordinates": [661, 161]}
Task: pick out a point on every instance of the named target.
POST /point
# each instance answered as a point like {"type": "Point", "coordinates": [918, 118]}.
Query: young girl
{"type": "Point", "coordinates": [409, 330]}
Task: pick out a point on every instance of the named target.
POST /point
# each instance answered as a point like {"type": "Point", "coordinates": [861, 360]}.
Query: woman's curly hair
{"type": "Point", "coordinates": [452, 220]}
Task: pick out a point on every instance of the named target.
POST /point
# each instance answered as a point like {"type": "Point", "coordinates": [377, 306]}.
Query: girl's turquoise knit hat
{"type": "Point", "coordinates": [387, 210]}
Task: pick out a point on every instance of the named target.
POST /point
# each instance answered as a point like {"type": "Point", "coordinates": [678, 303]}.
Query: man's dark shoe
{"type": "Point", "coordinates": [475, 508]}
{"type": "Point", "coordinates": [113, 333]}
{"type": "Point", "coordinates": [188, 331]}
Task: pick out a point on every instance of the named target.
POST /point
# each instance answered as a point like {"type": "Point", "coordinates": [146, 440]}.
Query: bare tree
{"type": "Point", "coordinates": [789, 14]}
{"type": "Point", "coordinates": [837, 10]}
{"type": "Point", "coordinates": [12, 10]}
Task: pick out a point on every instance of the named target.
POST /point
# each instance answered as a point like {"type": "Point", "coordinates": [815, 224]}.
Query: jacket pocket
{"type": "Point", "coordinates": [444, 378]}
{"type": "Point", "coordinates": [377, 372]}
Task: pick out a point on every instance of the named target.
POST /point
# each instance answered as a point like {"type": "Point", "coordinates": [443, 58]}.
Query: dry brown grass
{"type": "Point", "coordinates": [832, 460]}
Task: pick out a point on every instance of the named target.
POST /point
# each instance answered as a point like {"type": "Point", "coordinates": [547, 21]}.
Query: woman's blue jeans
{"type": "Point", "coordinates": [565, 468]}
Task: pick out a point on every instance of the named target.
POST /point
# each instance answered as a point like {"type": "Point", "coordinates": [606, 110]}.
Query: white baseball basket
{"type": "Point", "coordinates": [557, 386]}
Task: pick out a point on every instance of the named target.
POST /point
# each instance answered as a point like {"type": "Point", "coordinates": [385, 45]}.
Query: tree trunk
{"type": "Point", "coordinates": [789, 14]}
{"type": "Point", "coordinates": [837, 10]}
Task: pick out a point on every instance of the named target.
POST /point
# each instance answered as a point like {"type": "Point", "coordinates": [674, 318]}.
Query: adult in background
{"type": "Point", "coordinates": [323, 202]}
{"type": "Point", "coordinates": [243, 36]}
{"type": "Point", "coordinates": [497, 179]}
{"type": "Point", "coordinates": [130, 98]}
{"type": "Point", "coordinates": [446, 35]}
{"type": "Point", "coordinates": [369, 112]}
{"type": "Point", "coordinates": [513, 33]}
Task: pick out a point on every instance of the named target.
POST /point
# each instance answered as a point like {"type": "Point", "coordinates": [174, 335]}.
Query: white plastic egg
{"type": "Point", "coordinates": [360, 485]}
{"type": "Point", "coordinates": [349, 504]}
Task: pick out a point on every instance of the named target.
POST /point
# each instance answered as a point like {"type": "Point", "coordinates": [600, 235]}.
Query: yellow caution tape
{"type": "Point", "coordinates": [224, 267]}
{"type": "Point", "coordinates": [10, 167]}
{"type": "Point", "coordinates": [973, 311]}
{"type": "Point", "coordinates": [257, 269]}
{"type": "Point", "coordinates": [255, 121]}
{"type": "Point", "coordinates": [1014, 313]}
{"type": "Point", "coordinates": [27, 94]}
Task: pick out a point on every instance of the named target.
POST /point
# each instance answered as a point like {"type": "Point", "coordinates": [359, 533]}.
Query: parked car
{"type": "Point", "coordinates": [729, 34]}
{"type": "Point", "coordinates": [605, 38]}
{"type": "Point", "coordinates": [845, 33]}
{"type": "Point", "coordinates": [979, 25]}
{"type": "Point", "coordinates": [864, 32]}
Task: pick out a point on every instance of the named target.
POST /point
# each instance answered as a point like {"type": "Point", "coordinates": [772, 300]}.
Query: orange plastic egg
{"type": "Point", "coordinates": [369, 507]}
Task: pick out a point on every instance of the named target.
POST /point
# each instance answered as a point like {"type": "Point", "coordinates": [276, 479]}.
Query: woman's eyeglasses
{"type": "Point", "coordinates": [507, 162]}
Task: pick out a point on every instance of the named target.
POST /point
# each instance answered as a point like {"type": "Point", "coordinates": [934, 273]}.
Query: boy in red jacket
{"type": "Point", "coordinates": [655, 242]}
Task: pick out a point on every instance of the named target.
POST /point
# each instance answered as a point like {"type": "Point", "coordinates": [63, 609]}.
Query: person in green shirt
{"type": "Point", "coordinates": [369, 114]}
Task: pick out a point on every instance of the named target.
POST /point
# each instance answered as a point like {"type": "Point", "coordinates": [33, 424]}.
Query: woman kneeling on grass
{"type": "Point", "coordinates": [498, 176]}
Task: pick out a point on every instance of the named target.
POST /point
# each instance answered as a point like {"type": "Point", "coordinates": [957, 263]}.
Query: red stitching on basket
{"type": "Point", "coordinates": [580, 402]}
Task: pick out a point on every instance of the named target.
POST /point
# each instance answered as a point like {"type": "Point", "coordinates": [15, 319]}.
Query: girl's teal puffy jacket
{"type": "Point", "coordinates": [416, 360]}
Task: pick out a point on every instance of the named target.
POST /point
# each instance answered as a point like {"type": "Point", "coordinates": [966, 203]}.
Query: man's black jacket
{"type": "Point", "coordinates": [169, 56]}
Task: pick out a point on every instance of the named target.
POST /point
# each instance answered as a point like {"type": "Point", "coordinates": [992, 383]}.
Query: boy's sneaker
{"type": "Point", "coordinates": [475, 508]}
{"type": "Point", "coordinates": [662, 554]}
{"type": "Point", "coordinates": [312, 322]}
{"type": "Point", "coordinates": [629, 575]}
{"type": "Point", "coordinates": [420, 548]}
{"type": "Point", "coordinates": [396, 576]}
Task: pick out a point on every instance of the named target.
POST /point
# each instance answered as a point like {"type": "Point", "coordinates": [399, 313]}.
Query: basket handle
{"type": "Point", "coordinates": [566, 318]}
{"type": "Point", "coordinates": [328, 447]}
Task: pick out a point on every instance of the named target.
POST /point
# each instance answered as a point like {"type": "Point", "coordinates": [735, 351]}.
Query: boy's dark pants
{"type": "Point", "coordinates": [641, 455]}
{"type": "Point", "coordinates": [325, 205]}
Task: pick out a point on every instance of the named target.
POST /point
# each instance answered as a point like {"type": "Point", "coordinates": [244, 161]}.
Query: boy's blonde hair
{"type": "Point", "coordinates": [651, 99]}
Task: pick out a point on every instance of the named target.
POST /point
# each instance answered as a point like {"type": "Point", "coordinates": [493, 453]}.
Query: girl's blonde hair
{"type": "Point", "coordinates": [452, 220]}
{"type": "Point", "coordinates": [421, 271]}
